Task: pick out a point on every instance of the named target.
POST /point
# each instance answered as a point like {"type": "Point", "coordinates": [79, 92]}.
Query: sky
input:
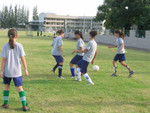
{"type": "Point", "coordinates": [62, 7]}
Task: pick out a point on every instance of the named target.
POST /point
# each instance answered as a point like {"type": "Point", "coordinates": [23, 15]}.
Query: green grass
{"type": "Point", "coordinates": [48, 94]}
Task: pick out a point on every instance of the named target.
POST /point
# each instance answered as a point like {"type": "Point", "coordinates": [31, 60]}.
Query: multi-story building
{"type": "Point", "coordinates": [49, 21]}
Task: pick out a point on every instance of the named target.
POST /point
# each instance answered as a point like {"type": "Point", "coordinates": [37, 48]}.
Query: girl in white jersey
{"type": "Point", "coordinates": [11, 54]}
{"type": "Point", "coordinates": [120, 53]}
{"type": "Point", "coordinates": [78, 56]}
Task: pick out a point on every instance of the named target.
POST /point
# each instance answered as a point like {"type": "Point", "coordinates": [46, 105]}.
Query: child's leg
{"type": "Point", "coordinates": [114, 67]}
{"type": "Point", "coordinates": [56, 66]}
{"type": "Point", "coordinates": [60, 69]}
{"type": "Point", "coordinates": [22, 95]}
{"type": "Point", "coordinates": [72, 69]}
{"type": "Point", "coordinates": [87, 77]}
{"type": "Point", "coordinates": [6, 94]}
{"type": "Point", "coordinates": [78, 73]}
{"type": "Point", "coordinates": [125, 65]}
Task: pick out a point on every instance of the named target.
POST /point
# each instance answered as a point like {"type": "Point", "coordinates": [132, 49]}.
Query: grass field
{"type": "Point", "coordinates": [48, 94]}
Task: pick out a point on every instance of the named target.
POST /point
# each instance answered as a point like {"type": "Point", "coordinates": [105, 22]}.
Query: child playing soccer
{"type": "Point", "coordinates": [79, 56]}
{"type": "Point", "coordinates": [57, 51]}
{"type": "Point", "coordinates": [120, 54]}
{"type": "Point", "coordinates": [90, 55]}
{"type": "Point", "coordinates": [11, 54]}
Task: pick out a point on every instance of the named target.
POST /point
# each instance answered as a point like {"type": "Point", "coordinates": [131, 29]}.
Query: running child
{"type": "Point", "coordinates": [79, 56]}
{"type": "Point", "coordinates": [58, 52]}
{"type": "Point", "coordinates": [89, 56]}
{"type": "Point", "coordinates": [120, 53]}
{"type": "Point", "coordinates": [11, 54]}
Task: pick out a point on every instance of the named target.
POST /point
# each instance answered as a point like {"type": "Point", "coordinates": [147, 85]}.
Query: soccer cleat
{"type": "Point", "coordinates": [61, 77]}
{"type": "Point", "coordinates": [79, 80]}
{"type": "Point", "coordinates": [72, 77]}
{"type": "Point", "coordinates": [26, 108]}
{"type": "Point", "coordinates": [53, 71]}
{"type": "Point", "coordinates": [131, 73]}
{"type": "Point", "coordinates": [114, 75]}
{"type": "Point", "coordinates": [76, 79]}
{"type": "Point", "coordinates": [5, 106]}
{"type": "Point", "coordinates": [91, 83]}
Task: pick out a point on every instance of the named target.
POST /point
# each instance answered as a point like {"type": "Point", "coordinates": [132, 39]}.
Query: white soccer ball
{"type": "Point", "coordinates": [96, 68]}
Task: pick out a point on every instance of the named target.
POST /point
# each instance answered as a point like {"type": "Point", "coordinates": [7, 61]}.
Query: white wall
{"type": "Point", "coordinates": [131, 41]}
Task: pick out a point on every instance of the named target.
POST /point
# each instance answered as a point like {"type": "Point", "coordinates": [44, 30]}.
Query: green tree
{"type": "Point", "coordinates": [35, 13]}
{"type": "Point", "coordinates": [120, 14]}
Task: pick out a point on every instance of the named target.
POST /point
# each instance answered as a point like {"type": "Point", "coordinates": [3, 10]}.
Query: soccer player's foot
{"type": "Point", "coordinates": [76, 79]}
{"type": "Point", "coordinates": [72, 77]}
{"type": "Point", "coordinates": [91, 83]}
{"type": "Point", "coordinates": [5, 106]}
{"type": "Point", "coordinates": [79, 80]}
{"type": "Point", "coordinates": [53, 70]}
{"type": "Point", "coordinates": [26, 108]}
{"type": "Point", "coordinates": [61, 77]}
{"type": "Point", "coordinates": [131, 73]}
{"type": "Point", "coordinates": [114, 75]}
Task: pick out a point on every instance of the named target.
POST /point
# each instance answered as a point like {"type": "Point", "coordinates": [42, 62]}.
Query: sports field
{"type": "Point", "coordinates": [48, 94]}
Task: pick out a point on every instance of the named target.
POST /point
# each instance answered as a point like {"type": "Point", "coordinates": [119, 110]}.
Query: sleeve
{"type": "Point", "coordinates": [88, 46]}
{"type": "Point", "coordinates": [4, 53]}
{"type": "Point", "coordinates": [60, 42]}
{"type": "Point", "coordinates": [52, 43]}
{"type": "Point", "coordinates": [121, 41]}
{"type": "Point", "coordinates": [81, 44]}
{"type": "Point", "coordinates": [22, 53]}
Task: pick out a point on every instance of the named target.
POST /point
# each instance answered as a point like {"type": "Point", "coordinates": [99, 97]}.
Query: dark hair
{"type": "Point", "coordinates": [59, 32]}
{"type": "Point", "coordinates": [12, 33]}
{"type": "Point", "coordinates": [93, 34]}
{"type": "Point", "coordinates": [121, 33]}
{"type": "Point", "coordinates": [79, 33]}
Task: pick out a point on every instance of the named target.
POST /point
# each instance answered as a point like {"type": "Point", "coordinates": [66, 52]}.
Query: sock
{"type": "Point", "coordinates": [72, 69]}
{"type": "Point", "coordinates": [23, 98]}
{"type": "Point", "coordinates": [86, 76]}
{"type": "Point", "coordinates": [78, 73]}
{"type": "Point", "coordinates": [56, 66]}
{"type": "Point", "coordinates": [6, 97]}
{"type": "Point", "coordinates": [60, 70]}
{"type": "Point", "coordinates": [115, 69]}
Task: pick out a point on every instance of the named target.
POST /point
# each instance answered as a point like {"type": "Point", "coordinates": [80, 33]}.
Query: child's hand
{"type": "Point", "coordinates": [2, 75]}
{"type": "Point", "coordinates": [92, 62]}
{"type": "Point", "coordinates": [122, 51]}
{"type": "Point", "coordinates": [26, 73]}
{"type": "Point", "coordinates": [73, 51]}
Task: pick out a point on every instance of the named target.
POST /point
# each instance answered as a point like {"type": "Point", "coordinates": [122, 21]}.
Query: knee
{"type": "Point", "coordinates": [61, 63]}
{"type": "Point", "coordinates": [19, 89]}
{"type": "Point", "coordinates": [71, 65]}
{"type": "Point", "coordinates": [113, 62]}
{"type": "Point", "coordinates": [122, 63]}
{"type": "Point", "coordinates": [6, 87]}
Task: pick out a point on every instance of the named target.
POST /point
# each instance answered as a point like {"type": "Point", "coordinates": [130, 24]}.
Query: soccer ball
{"type": "Point", "coordinates": [96, 68]}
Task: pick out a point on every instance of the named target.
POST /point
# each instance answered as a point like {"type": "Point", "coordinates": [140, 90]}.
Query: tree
{"type": "Point", "coordinates": [124, 13]}
{"type": "Point", "coordinates": [35, 13]}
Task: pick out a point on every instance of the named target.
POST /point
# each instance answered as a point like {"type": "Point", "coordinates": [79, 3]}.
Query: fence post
{"type": "Point", "coordinates": [107, 32]}
{"type": "Point", "coordinates": [132, 34]}
{"type": "Point", "coordinates": [148, 34]}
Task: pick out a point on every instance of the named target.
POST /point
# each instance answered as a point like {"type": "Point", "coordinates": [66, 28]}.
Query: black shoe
{"type": "Point", "coordinates": [26, 108]}
{"type": "Point", "coordinates": [131, 73]}
{"type": "Point", "coordinates": [53, 70]}
{"type": "Point", "coordinates": [5, 106]}
{"type": "Point", "coordinates": [114, 75]}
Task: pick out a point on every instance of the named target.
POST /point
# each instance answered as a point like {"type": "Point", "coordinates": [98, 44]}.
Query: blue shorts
{"type": "Point", "coordinates": [59, 59]}
{"type": "Point", "coordinates": [17, 81]}
{"type": "Point", "coordinates": [76, 59]}
{"type": "Point", "coordinates": [83, 65]}
{"type": "Point", "coordinates": [120, 57]}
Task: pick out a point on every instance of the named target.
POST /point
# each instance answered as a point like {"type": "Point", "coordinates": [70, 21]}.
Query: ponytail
{"type": "Point", "coordinates": [12, 33]}
{"type": "Point", "coordinates": [80, 34]}
{"type": "Point", "coordinates": [121, 34]}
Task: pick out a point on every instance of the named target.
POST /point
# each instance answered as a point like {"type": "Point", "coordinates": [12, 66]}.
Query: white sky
{"type": "Point", "coordinates": [62, 7]}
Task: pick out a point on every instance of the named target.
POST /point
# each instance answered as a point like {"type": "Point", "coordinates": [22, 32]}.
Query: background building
{"type": "Point", "coordinates": [51, 22]}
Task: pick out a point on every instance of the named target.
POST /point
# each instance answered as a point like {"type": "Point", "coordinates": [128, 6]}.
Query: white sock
{"type": "Point", "coordinates": [86, 76]}
{"type": "Point", "coordinates": [114, 69]}
{"type": "Point", "coordinates": [78, 73]}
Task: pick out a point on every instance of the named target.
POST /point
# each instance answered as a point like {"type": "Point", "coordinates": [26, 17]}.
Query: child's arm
{"type": "Point", "coordinates": [25, 65]}
{"type": "Point", "coordinates": [80, 51]}
{"type": "Point", "coordinates": [61, 50]}
{"type": "Point", "coordinates": [122, 47]}
{"type": "Point", "coordinates": [112, 46]}
{"type": "Point", "coordinates": [94, 57]}
{"type": "Point", "coordinates": [2, 67]}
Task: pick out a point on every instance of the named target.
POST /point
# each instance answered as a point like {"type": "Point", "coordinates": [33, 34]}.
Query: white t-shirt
{"type": "Point", "coordinates": [80, 43]}
{"type": "Point", "coordinates": [119, 42]}
{"type": "Point", "coordinates": [13, 63]}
